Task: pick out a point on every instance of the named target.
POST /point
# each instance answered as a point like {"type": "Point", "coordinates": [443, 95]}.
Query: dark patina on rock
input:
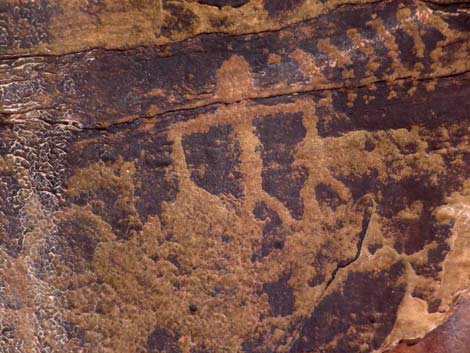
{"type": "Point", "coordinates": [234, 176]}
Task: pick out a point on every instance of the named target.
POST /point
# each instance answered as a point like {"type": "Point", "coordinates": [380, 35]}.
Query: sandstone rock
{"type": "Point", "coordinates": [234, 176]}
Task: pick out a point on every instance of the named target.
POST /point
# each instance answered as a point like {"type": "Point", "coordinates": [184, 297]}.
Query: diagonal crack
{"type": "Point", "coordinates": [288, 25]}
{"type": "Point", "coordinates": [259, 99]}
{"type": "Point", "coordinates": [446, 4]}
{"type": "Point", "coordinates": [347, 262]}
{"type": "Point", "coordinates": [368, 212]}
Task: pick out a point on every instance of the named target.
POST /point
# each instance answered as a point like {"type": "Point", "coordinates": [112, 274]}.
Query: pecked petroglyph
{"type": "Point", "coordinates": [233, 176]}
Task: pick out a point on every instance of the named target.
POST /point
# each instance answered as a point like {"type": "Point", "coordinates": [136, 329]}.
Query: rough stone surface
{"type": "Point", "coordinates": [453, 336]}
{"type": "Point", "coordinates": [253, 176]}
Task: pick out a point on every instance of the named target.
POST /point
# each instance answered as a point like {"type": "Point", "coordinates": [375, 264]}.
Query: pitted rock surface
{"type": "Point", "coordinates": [253, 176]}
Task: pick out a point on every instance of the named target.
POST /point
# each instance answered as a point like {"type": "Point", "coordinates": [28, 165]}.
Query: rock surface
{"type": "Point", "coordinates": [234, 176]}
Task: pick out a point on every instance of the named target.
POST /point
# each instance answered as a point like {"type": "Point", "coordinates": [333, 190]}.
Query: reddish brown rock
{"type": "Point", "coordinates": [234, 176]}
{"type": "Point", "coordinates": [453, 336]}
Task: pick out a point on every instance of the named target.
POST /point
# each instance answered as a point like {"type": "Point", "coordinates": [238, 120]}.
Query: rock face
{"type": "Point", "coordinates": [256, 176]}
{"type": "Point", "coordinates": [453, 336]}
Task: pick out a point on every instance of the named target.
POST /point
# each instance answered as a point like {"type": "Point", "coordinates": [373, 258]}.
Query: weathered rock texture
{"type": "Point", "coordinates": [234, 176]}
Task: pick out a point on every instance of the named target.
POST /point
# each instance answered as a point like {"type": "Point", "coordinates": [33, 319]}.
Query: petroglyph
{"type": "Point", "coordinates": [233, 176]}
